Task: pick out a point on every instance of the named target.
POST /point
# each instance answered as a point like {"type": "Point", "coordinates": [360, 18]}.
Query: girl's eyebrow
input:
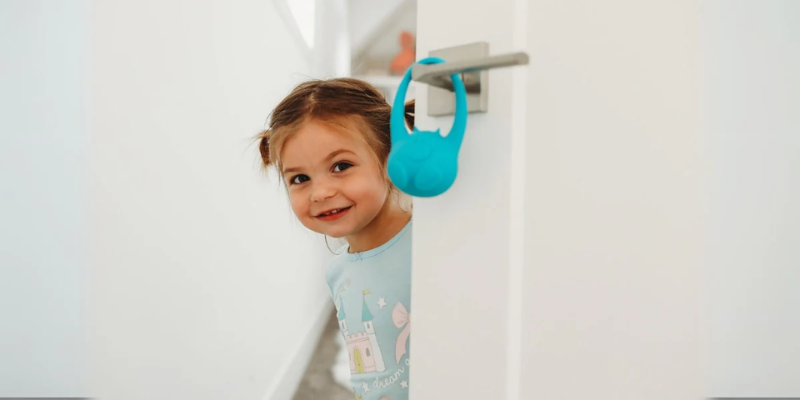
{"type": "Point", "coordinates": [328, 158]}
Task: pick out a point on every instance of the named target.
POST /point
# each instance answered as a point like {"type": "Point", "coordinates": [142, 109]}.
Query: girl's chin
{"type": "Point", "coordinates": [331, 233]}
{"type": "Point", "coordinates": [336, 230]}
{"type": "Point", "coordinates": [334, 234]}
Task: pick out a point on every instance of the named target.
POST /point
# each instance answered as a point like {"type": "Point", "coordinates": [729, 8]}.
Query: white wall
{"type": "Point", "coordinates": [383, 44]}
{"type": "Point", "coordinates": [368, 17]}
{"type": "Point", "coordinates": [43, 148]}
{"type": "Point", "coordinates": [753, 73]}
{"type": "Point", "coordinates": [204, 285]}
{"type": "Point", "coordinates": [332, 48]}
{"type": "Point", "coordinates": [567, 261]}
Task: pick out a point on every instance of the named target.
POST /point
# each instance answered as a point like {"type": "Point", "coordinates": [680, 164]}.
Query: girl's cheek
{"type": "Point", "coordinates": [297, 205]}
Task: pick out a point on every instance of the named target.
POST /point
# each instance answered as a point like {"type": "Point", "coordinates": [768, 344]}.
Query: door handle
{"type": "Point", "coordinates": [471, 62]}
{"type": "Point", "coordinates": [439, 74]}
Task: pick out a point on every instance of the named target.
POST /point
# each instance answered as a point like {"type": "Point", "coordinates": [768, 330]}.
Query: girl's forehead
{"type": "Point", "coordinates": [315, 140]}
{"type": "Point", "coordinates": [321, 134]}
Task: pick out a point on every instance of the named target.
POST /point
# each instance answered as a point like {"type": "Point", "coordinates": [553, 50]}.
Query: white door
{"type": "Point", "coordinates": [567, 261]}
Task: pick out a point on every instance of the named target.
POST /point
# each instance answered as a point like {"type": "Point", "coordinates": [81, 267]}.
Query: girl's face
{"type": "Point", "coordinates": [335, 183]}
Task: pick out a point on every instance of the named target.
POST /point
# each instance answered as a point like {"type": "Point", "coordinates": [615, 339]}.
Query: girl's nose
{"type": "Point", "coordinates": [322, 193]}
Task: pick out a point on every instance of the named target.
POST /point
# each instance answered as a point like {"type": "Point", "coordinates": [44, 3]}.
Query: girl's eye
{"type": "Point", "coordinates": [297, 179]}
{"type": "Point", "coordinates": [339, 167]}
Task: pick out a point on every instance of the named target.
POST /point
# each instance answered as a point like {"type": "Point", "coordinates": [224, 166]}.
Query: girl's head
{"type": "Point", "coordinates": [329, 141]}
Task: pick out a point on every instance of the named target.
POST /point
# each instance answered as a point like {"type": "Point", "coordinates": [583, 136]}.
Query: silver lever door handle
{"type": "Point", "coordinates": [471, 62]}
{"type": "Point", "coordinates": [439, 74]}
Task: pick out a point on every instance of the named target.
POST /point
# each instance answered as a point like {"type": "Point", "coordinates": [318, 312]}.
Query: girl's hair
{"type": "Point", "coordinates": [343, 103]}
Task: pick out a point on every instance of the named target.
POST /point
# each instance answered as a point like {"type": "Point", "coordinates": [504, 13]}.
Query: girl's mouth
{"type": "Point", "coordinates": [333, 215]}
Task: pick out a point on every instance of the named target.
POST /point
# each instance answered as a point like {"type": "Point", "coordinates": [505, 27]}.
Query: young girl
{"type": "Point", "coordinates": [329, 141]}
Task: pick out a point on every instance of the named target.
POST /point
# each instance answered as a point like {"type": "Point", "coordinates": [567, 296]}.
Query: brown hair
{"type": "Point", "coordinates": [331, 101]}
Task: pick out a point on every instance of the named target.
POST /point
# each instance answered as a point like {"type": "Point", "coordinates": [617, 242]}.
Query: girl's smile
{"type": "Point", "coordinates": [333, 215]}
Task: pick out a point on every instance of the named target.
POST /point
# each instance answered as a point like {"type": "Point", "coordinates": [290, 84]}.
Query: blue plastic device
{"type": "Point", "coordinates": [423, 163]}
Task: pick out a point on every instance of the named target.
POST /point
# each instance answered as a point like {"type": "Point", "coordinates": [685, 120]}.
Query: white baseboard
{"type": "Point", "coordinates": [291, 373]}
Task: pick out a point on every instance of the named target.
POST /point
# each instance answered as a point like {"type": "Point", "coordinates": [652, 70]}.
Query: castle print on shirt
{"type": "Point", "coordinates": [365, 353]}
